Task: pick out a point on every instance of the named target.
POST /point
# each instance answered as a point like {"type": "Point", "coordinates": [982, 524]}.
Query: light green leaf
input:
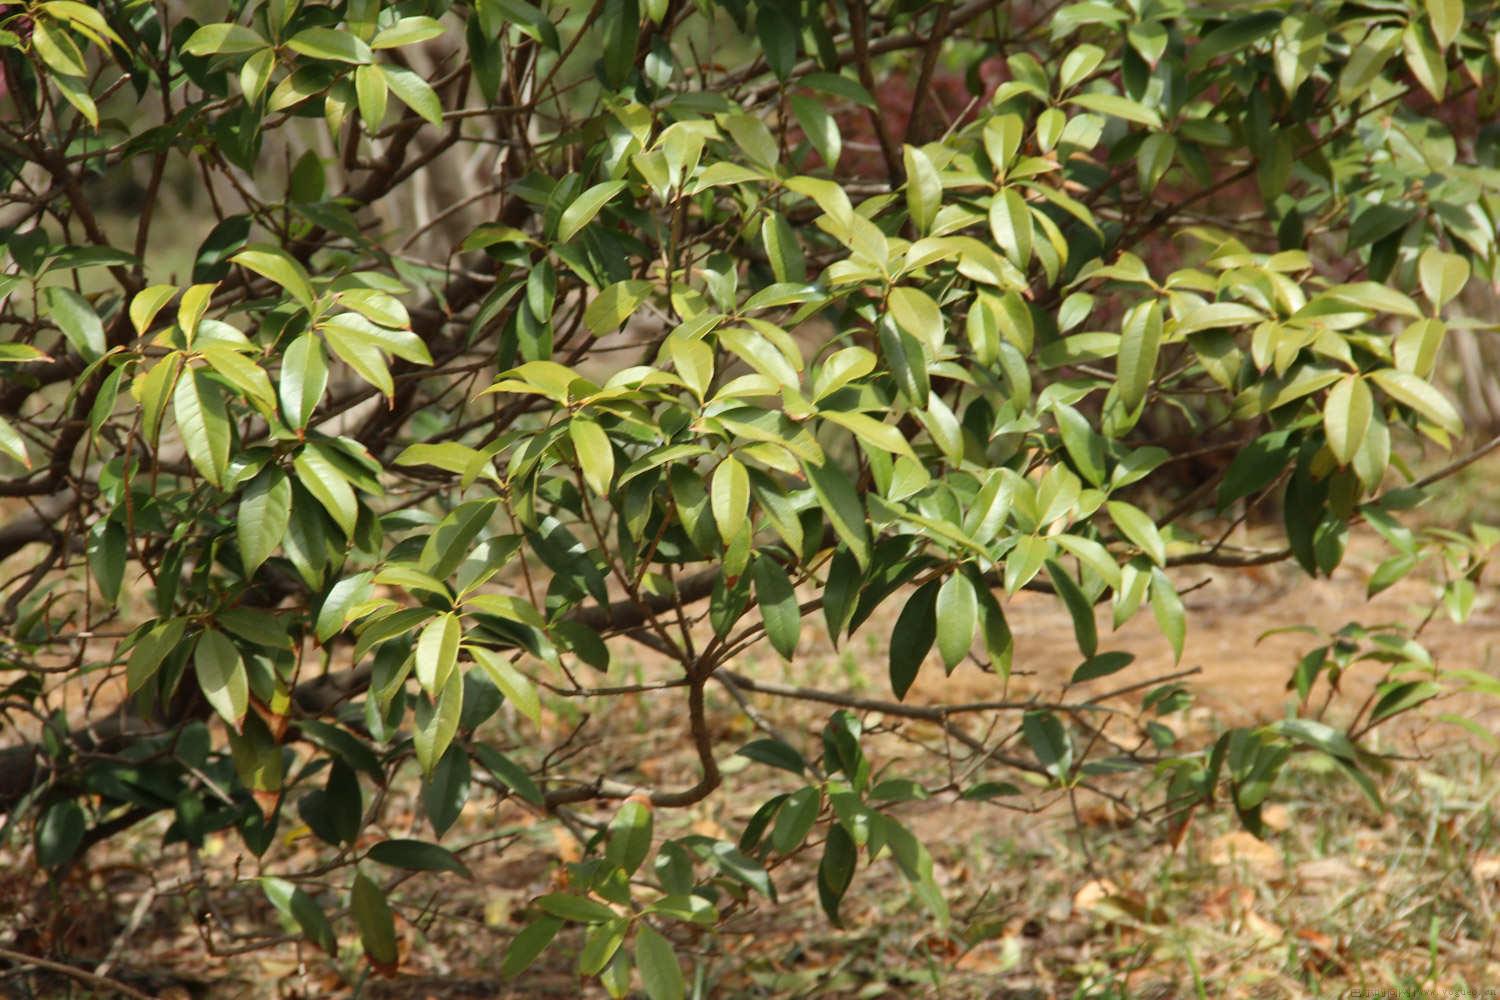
{"type": "Point", "coordinates": [221, 676]}
{"type": "Point", "coordinates": [596, 456]}
{"type": "Point", "coordinates": [329, 43]}
{"type": "Point", "coordinates": [437, 652]}
{"type": "Point", "coordinates": [203, 421]}
{"type": "Point", "coordinates": [370, 90]}
{"type": "Point", "coordinates": [261, 521]}
{"type": "Point", "coordinates": [1346, 416]}
{"type": "Point", "coordinates": [407, 31]}
{"type": "Point", "coordinates": [1140, 343]}
{"type": "Point", "coordinates": [957, 614]}
{"type": "Point", "coordinates": [320, 476]}
{"type": "Point", "coordinates": [516, 686]}
{"type": "Point", "coordinates": [924, 189]}
{"type": "Point", "coordinates": [1447, 18]}
{"type": "Point", "coordinates": [414, 92]}
{"type": "Point", "coordinates": [820, 128]}
{"type": "Point", "coordinates": [77, 320]}
{"type": "Point", "coordinates": [1137, 526]}
{"type": "Point", "coordinates": [147, 303]}
{"type": "Point", "coordinates": [223, 39]}
{"type": "Point", "coordinates": [729, 496]}
{"type": "Point", "coordinates": [583, 208]}
{"type": "Point", "coordinates": [613, 306]}
{"type": "Point", "coordinates": [377, 928]}
{"type": "Point", "coordinates": [1119, 107]}
{"type": "Point", "coordinates": [277, 265]}
{"type": "Point", "coordinates": [1421, 396]}
{"type": "Point", "coordinates": [1443, 276]}
{"type": "Point", "coordinates": [304, 376]}
{"type": "Point", "coordinates": [1010, 224]}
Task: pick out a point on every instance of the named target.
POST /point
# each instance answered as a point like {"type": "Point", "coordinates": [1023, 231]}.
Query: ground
{"type": "Point", "coordinates": [1338, 897]}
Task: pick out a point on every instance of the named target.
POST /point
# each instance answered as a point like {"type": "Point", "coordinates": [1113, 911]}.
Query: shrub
{"type": "Point", "coordinates": [376, 368]}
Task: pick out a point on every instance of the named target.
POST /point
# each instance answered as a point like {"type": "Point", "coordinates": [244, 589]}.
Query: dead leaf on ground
{"type": "Point", "coordinates": [1243, 848]}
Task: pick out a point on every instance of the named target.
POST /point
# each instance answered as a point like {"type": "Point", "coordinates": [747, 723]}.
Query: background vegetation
{"type": "Point", "coordinates": [433, 430]}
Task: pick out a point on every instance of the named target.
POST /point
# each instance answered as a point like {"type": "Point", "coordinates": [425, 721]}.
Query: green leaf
{"type": "Point", "coordinates": [77, 320]}
{"type": "Point", "coordinates": [1446, 18]}
{"type": "Point", "coordinates": [1119, 107]}
{"type": "Point", "coordinates": [596, 456]}
{"type": "Point", "coordinates": [147, 303]}
{"type": "Point", "coordinates": [1443, 275]}
{"type": "Point", "coordinates": [660, 973]}
{"type": "Point", "coordinates": [1049, 741]}
{"type": "Point", "coordinates": [913, 636]}
{"type": "Point", "coordinates": [203, 420]}
{"type": "Point", "coordinates": [321, 477]}
{"type": "Point", "coordinates": [836, 871]}
{"type": "Point", "coordinates": [437, 652]}
{"type": "Point", "coordinates": [370, 90]}
{"type": "Point", "coordinates": [1010, 224]}
{"type": "Point", "coordinates": [329, 43]}
{"type": "Point", "coordinates": [1137, 526]}
{"type": "Point", "coordinates": [516, 686]}
{"type": "Point", "coordinates": [778, 606]}
{"type": "Point", "coordinates": [795, 819]}
{"type": "Point", "coordinates": [576, 909]}
{"type": "Point", "coordinates": [1318, 735]}
{"type": "Point", "coordinates": [261, 522]}
{"type": "Point", "coordinates": [377, 928]}
{"type": "Point", "coordinates": [924, 189]}
{"type": "Point", "coordinates": [775, 754]}
{"type": "Point", "coordinates": [1140, 343]}
{"type": "Point", "coordinates": [630, 836]}
{"type": "Point", "coordinates": [529, 943]}
{"type": "Point", "coordinates": [445, 789]}
{"type": "Point", "coordinates": [414, 92]}
{"type": "Point", "coordinates": [221, 676]}
{"type": "Point", "coordinates": [223, 39]}
{"type": "Point", "coordinates": [437, 724]}
{"type": "Point", "coordinates": [407, 31]}
{"type": "Point", "coordinates": [1166, 605]}
{"type": "Point", "coordinates": [297, 906]}
{"type": "Point", "coordinates": [277, 265]}
{"type": "Point", "coordinates": [453, 540]}
{"type": "Point", "coordinates": [821, 129]}
{"type": "Point", "coordinates": [841, 504]}
{"type": "Point", "coordinates": [1082, 612]}
{"type": "Point", "coordinates": [106, 555]}
{"type": "Point", "coordinates": [729, 495]}
{"type": "Point", "coordinates": [509, 773]}
{"type": "Point", "coordinates": [150, 650]}
{"type": "Point", "coordinates": [1101, 665]}
{"type": "Point", "coordinates": [59, 833]}
{"type": "Point", "coordinates": [12, 444]}
{"type": "Point", "coordinates": [1346, 416]}
{"type": "Point", "coordinates": [583, 209]}
{"type": "Point", "coordinates": [957, 611]}
{"type": "Point", "coordinates": [1420, 395]}
{"type": "Point", "coordinates": [343, 596]}
{"type": "Point", "coordinates": [1084, 445]}
{"type": "Point", "coordinates": [613, 306]}
{"type": "Point", "coordinates": [57, 50]}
